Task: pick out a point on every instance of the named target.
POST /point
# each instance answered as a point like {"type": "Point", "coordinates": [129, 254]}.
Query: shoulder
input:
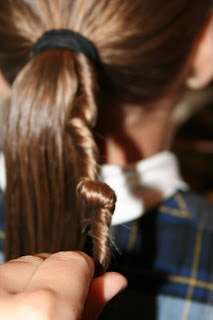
{"type": "Point", "coordinates": [182, 211]}
{"type": "Point", "coordinates": [167, 257]}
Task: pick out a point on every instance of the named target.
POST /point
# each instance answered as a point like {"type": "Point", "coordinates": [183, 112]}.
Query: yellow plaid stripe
{"type": "Point", "coordinates": [195, 265]}
{"type": "Point", "coordinates": [2, 235]}
{"type": "Point", "coordinates": [181, 212]}
{"type": "Point", "coordinates": [172, 278]}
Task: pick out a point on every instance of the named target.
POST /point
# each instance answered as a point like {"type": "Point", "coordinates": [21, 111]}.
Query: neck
{"type": "Point", "coordinates": [133, 132]}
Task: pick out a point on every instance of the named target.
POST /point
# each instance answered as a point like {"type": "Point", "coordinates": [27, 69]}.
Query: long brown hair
{"type": "Point", "coordinates": [53, 191]}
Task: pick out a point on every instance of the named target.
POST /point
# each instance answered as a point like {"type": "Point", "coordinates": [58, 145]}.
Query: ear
{"type": "Point", "coordinates": [202, 65]}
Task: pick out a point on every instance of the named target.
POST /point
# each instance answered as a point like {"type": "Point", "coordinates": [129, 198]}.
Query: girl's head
{"type": "Point", "coordinates": [53, 190]}
{"type": "Point", "coordinates": [142, 44]}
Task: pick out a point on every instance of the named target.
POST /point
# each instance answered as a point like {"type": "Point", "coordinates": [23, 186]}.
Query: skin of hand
{"type": "Point", "coordinates": [56, 286]}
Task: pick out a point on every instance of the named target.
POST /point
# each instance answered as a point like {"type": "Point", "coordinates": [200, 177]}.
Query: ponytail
{"type": "Point", "coordinates": [51, 154]}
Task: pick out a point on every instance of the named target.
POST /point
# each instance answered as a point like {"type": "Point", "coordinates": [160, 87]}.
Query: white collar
{"type": "Point", "coordinates": [142, 185]}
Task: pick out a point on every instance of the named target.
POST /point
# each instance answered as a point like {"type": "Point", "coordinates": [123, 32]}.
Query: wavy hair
{"type": "Point", "coordinates": [54, 196]}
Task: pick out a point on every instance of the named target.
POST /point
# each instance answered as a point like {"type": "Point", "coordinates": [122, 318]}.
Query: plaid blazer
{"type": "Point", "coordinates": [167, 257]}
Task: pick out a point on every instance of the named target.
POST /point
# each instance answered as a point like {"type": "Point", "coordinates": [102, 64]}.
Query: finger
{"type": "Point", "coordinates": [16, 274]}
{"type": "Point", "coordinates": [42, 255]}
{"type": "Point", "coordinates": [102, 290]}
{"type": "Point", "coordinates": [67, 277]}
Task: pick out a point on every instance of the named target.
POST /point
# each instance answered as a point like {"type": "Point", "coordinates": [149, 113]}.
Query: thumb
{"type": "Point", "coordinates": [102, 289]}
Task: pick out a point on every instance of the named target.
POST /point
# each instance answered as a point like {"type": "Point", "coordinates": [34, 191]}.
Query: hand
{"type": "Point", "coordinates": [57, 287]}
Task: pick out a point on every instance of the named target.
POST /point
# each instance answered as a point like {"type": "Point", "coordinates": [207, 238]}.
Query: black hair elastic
{"type": "Point", "coordinates": [65, 39]}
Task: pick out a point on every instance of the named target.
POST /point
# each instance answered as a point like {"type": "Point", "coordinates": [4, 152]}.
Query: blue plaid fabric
{"type": "Point", "coordinates": [167, 257]}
